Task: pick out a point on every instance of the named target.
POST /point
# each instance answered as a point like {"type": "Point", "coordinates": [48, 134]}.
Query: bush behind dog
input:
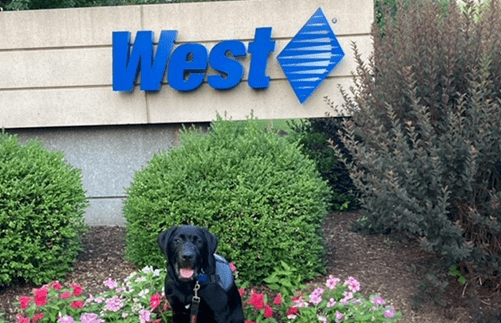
{"type": "Point", "coordinates": [42, 203]}
{"type": "Point", "coordinates": [253, 189]}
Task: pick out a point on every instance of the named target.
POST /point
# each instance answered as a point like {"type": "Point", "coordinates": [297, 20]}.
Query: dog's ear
{"type": "Point", "coordinates": [211, 243]}
{"type": "Point", "coordinates": [163, 241]}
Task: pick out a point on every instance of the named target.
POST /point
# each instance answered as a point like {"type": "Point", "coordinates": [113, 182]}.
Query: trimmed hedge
{"type": "Point", "coordinates": [256, 191]}
{"type": "Point", "coordinates": [42, 203]}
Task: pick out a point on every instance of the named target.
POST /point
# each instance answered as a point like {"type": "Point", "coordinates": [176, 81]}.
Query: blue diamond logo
{"type": "Point", "coordinates": [310, 56]}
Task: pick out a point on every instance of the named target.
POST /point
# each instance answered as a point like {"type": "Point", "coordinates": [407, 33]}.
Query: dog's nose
{"type": "Point", "coordinates": [188, 256]}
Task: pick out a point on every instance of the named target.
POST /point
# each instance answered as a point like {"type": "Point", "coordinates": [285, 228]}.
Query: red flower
{"type": "Point", "coordinates": [22, 319]}
{"type": "Point", "coordinates": [77, 304]}
{"type": "Point", "coordinates": [41, 296]}
{"type": "Point", "coordinates": [278, 300]}
{"type": "Point", "coordinates": [292, 311]}
{"type": "Point", "coordinates": [65, 295]}
{"type": "Point", "coordinates": [25, 301]}
{"type": "Point", "coordinates": [268, 312]}
{"type": "Point", "coordinates": [257, 300]}
{"type": "Point", "coordinates": [241, 291]}
{"type": "Point", "coordinates": [233, 267]}
{"type": "Point", "coordinates": [166, 306]}
{"type": "Point", "coordinates": [37, 317]}
{"type": "Point", "coordinates": [247, 321]}
{"type": "Point", "coordinates": [155, 301]}
{"type": "Point", "coordinates": [77, 289]}
{"type": "Point", "coordinates": [56, 285]}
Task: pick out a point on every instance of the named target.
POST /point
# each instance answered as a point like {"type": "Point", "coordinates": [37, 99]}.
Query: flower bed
{"type": "Point", "coordinates": [139, 298]}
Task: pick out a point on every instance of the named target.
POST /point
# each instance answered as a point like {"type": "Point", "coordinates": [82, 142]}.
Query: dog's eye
{"type": "Point", "coordinates": [197, 241]}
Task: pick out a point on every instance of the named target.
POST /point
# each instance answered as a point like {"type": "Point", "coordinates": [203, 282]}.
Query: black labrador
{"type": "Point", "coordinates": [199, 284]}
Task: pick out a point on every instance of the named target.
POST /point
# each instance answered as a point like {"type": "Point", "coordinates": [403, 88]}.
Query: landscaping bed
{"type": "Point", "coordinates": [381, 264]}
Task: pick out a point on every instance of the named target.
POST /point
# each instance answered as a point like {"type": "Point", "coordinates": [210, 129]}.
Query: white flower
{"type": "Point", "coordinates": [143, 293]}
{"type": "Point", "coordinates": [156, 272]}
{"type": "Point", "coordinates": [147, 269]}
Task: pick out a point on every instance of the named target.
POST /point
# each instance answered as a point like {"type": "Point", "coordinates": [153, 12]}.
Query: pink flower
{"type": "Point", "coordinates": [389, 312]}
{"type": "Point", "coordinates": [268, 312]}
{"type": "Point", "coordinates": [331, 303]}
{"type": "Point", "coordinates": [339, 316]}
{"type": "Point", "coordinates": [57, 285]}
{"type": "Point", "coordinates": [38, 316]}
{"type": "Point", "coordinates": [348, 295]}
{"type": "Point", "coordinates": [332, 282]}
{"type": "Point", "coordinates": [77, 304]}
{"type": "Point", "coordinates": [378, 300]}
{"type": "Point", "coordinates": [278, 300]}
{"type": "Point", "coordinates": [155, 301]}
{"type": "Point", "coordinates": [315, 299]}
{"type": "Point", "coordinates": [114, 304]}
{"type": "Point", "coordinates": [110, 283]}
{"type": "Point", "coordinates": [65, 295]}
{"type": "Point", "coordinates": [77, 289]}
{"type": "Point", "coordinates": [41, 296]}
{"type": "Point", "coordinates": [353, 284]}
{"type": "Point", "coordinates": [318, 291]}
{"type": "Point", "coordinates": [66, 319]}
{"type": "Point", "coordinates": [233, 267]}
{"type": "Point", "coordinates": [144, 316]}
{"type": "Point", "coordinates": [25, 301]}
{"type": "Point", "coordinates": [322, 319]}
{"type": "Point", "coordinates": [22, 319]}
{"type": "Point", "coordinates": [91, 318]}
{"type": "Point", "coordinates": [241, 291]}
{"type": "Point", "coordinates": [292, 312]}
{"type": "Point", "coordinates": [257, 300]}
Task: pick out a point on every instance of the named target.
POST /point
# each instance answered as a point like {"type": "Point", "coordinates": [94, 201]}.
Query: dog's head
{"type": "Point", "coordinates": [189, 250]}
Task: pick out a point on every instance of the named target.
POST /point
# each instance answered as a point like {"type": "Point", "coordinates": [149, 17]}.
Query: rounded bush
{"type": "Point", "coordinates": [253, 189]}
{"type": "Point", "coordinates": [42, 203]}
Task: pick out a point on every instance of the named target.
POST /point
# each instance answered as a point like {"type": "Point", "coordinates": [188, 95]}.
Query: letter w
{"type": "Point", "coordinates": [126, 62]}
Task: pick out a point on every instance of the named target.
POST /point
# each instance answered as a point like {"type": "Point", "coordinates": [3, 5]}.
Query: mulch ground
{"type": "Point", "coordinates": [382, 264]}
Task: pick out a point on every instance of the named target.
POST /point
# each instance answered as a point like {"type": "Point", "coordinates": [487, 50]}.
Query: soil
{"type": "Point", "coordinates": [382, 264]}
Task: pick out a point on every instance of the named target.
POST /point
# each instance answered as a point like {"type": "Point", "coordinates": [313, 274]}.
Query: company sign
{"type": "Point", "coordinates": [306, 61]}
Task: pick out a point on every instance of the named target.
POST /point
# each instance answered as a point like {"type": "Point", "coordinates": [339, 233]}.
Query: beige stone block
{"type": "Point", "coordinates": [66, 27]}
{"type": "Point", "coordinates": [276, 102]}
{"type": "Point", "coordinates": [203, 21]}
{"type": "Point", "coordinates": [67, 67]}
{"type": "Point", "coordinates": [71, 107]}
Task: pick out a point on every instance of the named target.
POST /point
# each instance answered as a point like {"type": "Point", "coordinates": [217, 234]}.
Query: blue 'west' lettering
{"type": "Point", "coordinates": [188, 63]}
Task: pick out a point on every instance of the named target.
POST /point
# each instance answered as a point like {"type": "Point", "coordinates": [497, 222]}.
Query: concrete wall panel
{"type": "Point", "coordinates": [65, 28]}
{"type": "Point", "coordinates": [71, 107]}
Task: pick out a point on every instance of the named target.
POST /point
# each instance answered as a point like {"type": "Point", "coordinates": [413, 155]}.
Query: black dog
{"type": "Point", "coordinates": [199, 284]}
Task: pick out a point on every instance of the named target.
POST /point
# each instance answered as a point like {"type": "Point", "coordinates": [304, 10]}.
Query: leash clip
{"type": "Point", "coordinates": [195, 301]}
{"type": "Point", "coordinates": [195, 290]}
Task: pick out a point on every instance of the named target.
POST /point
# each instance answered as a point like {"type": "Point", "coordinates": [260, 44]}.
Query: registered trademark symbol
{"type": "Point", "coordinates": [334, 20]}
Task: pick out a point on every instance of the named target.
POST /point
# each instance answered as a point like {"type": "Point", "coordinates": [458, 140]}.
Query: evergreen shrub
{"type": "Point", "coordinates": [42, 203]}
{"type": "Point", "coordinates": [425, 132]}
{"type": "Point", "coordinates": [253, 189]}
{"type": "Point", "coordinates": [314, 136]}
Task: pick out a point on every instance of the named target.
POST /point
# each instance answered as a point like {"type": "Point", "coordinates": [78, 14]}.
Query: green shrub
{"type": "Point", "coordinates": [314, 136]}
{"type": "Point", "coordinates": [253, 189]}
{"type": "Point", "coordinates": [425, 133]}
{"type": "Point", "coordinates": [42, 203]}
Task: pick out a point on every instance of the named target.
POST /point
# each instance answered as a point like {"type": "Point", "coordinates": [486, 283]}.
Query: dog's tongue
{"type": "Point", "coordinates": [186, 273]}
